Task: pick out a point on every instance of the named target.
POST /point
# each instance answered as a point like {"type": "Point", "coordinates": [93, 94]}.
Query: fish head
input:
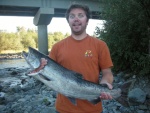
{"type": "Point", "coordinates": [31, 59]}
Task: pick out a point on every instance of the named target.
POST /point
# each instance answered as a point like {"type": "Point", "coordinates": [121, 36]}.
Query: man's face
{"type": "Point", "coordinates": [77, 21]}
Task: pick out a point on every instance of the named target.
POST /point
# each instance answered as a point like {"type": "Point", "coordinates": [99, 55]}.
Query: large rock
{"type": "Point", "coordinates": [137, 96]}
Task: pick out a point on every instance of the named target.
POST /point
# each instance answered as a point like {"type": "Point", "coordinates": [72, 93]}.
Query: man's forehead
{"type": "Point", "coordinates": [77, 10]}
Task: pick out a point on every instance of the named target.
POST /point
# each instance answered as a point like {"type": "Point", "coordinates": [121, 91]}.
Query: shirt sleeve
{"type": "Point", "coordinates": [105, 60]}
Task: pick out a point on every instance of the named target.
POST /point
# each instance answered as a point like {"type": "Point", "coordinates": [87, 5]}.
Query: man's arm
{"type": "Point", "coordinates": [107, 78]}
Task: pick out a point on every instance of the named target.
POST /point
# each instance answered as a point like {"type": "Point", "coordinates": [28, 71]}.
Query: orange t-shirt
{"type": "Point", "coordinates": [88, 57]}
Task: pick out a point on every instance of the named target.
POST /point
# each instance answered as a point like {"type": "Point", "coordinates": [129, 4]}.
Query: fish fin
{"type": "Point", "coordinates": [123, 99]}
{"type": "Point", "coordinates": [95, 101]}
{"type": "Point", "coordinates": [126, 86]}
{"type": "Point", "coordinates": [79, 75]}
{"type": "Point", "coordinates": [43, 80]}
{"type": "Point", "coordinates": [42, 76]}
{"type": "Point", "coordinates": [72, 100]}
{"type": "Point", "coordinates": [33, 74]}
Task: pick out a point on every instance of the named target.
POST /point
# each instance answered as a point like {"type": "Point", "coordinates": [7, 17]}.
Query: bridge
{"type": "Point", "coordinates": [43, 11]}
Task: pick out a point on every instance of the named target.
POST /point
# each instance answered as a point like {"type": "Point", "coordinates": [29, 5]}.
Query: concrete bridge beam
{"type": "Point", "coordinates": [42, 19]}
{"type": "Point", "coordinates": [43, 39]}
{"type": "Point", "coordinates": [43, 16]}
{"type": "Point", "coordinates": [43, 11]}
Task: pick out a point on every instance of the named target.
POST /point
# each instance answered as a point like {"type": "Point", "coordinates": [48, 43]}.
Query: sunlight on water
{"type": "Point", "coordinates": [21, 63]}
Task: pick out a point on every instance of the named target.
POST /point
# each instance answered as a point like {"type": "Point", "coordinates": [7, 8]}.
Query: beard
{"type": "Point", "coordinates": [78, 31]}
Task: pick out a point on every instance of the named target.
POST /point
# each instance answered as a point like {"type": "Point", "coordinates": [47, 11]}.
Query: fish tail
{"type": "Point", "coordinates": [123, 99]}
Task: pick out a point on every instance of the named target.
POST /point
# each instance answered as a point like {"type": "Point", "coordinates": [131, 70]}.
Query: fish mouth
{"type": "Point", "coordinates": [25, 54]}
{"type": "Point", "coordinates": [29, 73]}
{"type": "Point", "coordinates": [35, 71]}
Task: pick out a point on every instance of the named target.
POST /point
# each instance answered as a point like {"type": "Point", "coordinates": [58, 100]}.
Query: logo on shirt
{"type": "Point", "coordinates": [88, 53]}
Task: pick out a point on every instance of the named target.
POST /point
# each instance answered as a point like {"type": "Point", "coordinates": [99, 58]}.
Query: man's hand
{"type": "Point", "coordinates": [43, 62]}
{"type": "Point", "coordinates": [104, 95]}
{"type": "Point", "coordinates": [107, 79]}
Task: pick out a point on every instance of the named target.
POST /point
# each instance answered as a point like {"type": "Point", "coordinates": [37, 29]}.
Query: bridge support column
{"type": "Point", "coordinates": [41, 20]}
{"type": "Point", "coordinates": [43, 39]}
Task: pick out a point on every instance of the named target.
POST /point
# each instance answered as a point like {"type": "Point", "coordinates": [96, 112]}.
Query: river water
{"type": "Point", "coordinates": [20, 63]}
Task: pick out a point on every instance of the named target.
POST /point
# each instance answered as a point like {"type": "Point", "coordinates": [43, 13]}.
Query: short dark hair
{"type": "Point", "coordinates": [83, 7]}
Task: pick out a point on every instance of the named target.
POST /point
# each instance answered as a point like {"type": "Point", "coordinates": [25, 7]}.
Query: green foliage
{"type": "Point", "coordinates": [27, 37]}
{"type": "Point", "coordinates": [23, 38]}
{"type": "Point", "coordinates": [127, 33]}
{"type": "Point", "coordinates": [55, 37]}
{"type": "Point", "coordinates": [9, 41]}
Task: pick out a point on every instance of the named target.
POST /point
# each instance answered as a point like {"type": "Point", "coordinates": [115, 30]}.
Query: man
{"type": "Point", "coordinates": [83, 54]}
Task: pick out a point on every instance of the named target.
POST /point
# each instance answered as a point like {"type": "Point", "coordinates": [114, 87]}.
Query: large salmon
{"type": "Point", "coordinates": [70, 83]}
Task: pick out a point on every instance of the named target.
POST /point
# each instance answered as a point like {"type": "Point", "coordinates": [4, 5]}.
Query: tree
{"type": "Point", "coordinates": [23, 38]}
{"type": "Point", "coordinates": [10, 41]}
{"type": "Point", "coordinates": [28, 41]}
{"type": "Point", "coordinates": [127, 33]}
{"type": "Point", "coordinates": [55, 37]}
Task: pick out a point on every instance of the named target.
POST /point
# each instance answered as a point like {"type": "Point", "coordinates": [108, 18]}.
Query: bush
{"type": "Point", "coordinates": [127, 33]}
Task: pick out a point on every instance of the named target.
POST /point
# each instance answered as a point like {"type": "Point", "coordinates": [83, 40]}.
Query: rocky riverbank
{"type": "Point", "coordinates": [22, 94]}
{"type": "Point", "coordinates": [11, 56]}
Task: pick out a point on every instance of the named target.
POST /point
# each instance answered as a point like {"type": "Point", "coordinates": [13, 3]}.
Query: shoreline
{"type": "Point", "coordinates": [11, 56]}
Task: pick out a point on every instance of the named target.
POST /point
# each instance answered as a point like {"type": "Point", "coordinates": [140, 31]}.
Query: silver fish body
{"type": "Point", "coordinates": [67, 82]}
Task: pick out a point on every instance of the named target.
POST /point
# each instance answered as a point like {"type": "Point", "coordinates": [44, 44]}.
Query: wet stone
{"type": "Point", "coordinates": [24, 94]}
